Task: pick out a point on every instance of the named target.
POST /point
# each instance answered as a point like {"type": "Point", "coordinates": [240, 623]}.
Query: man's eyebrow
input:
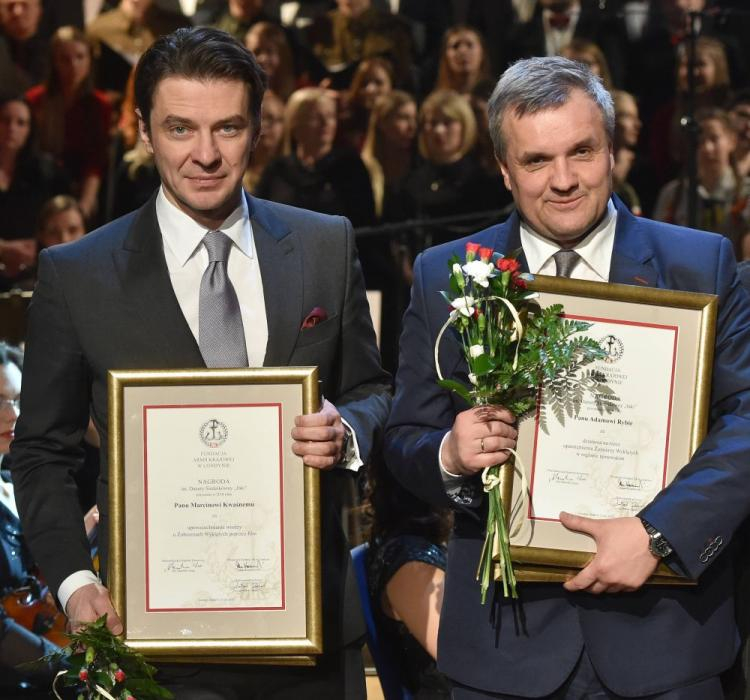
{"type": "Point", "coordinates": [175, 120]}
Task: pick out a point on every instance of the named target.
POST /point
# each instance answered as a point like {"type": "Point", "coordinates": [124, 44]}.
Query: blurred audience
{"type": "Point", "coordinates": [240, 15]}
{"type": "Point", "coordinates": [27, 180]}
{"type": "Point", "coordinates": [72, 118]}
{"type": "Point", "coordinates": [740, 112]}
{"type": "Point", "coordinates": [124, 33]}
{"type": "Point", "coordinates": [356, 30]}
{"type": "Point", "coordinates": [625, 148]}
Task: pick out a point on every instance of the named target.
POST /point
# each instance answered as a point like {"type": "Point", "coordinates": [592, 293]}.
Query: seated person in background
{"type": "Point", "coordinates": [722, 195]}
{"type": "Point", "coordinates": [27, 180]}
{"type": "Point", "coordinates": [271, 48]}
{"type": "Point", "coordinates": [313, 174]}
{"type": "Point", "coordinates": [463, 60]}
{"type": "Point", "coordinates": [60, 221]}
{"type": "Point", "coordinates": [406, 563]}
{"type": "Point", "coordinates": [17, 644]}
{"type": "Point", "coordinates": [627, 130]}
{"type": "Point", "coordinates": [269, 142]}
{"type": "Point", "coordinates": [372, 79]}
{"type": "Point", "coordinates": [450, 181]}
{"type": "Point", "coordinates": [740, 113]}
{"type": "Point", "coordinates": [72, 118]}
{"type": "Point", "coordinates": [24, 58]}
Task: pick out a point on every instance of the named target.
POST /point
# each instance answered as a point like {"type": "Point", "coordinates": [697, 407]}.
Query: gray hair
{"type": "Point", "coordinates": [544, 82]}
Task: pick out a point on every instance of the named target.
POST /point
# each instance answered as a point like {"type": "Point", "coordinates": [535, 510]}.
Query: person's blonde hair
{"type": "Point", "coordinates": [296, 103]}
{"type": "Point", "coordinates": [372, 149]}
{"type": "Point", "coordinates": [717, 52]}
{"type": "Point", "coordinates": [450, 104]}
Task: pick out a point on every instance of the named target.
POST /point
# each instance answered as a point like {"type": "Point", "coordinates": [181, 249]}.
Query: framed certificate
{"type": "Point", "coordinates": [214, 525]}
{"type": "Point", "coordinates": [612, 458]}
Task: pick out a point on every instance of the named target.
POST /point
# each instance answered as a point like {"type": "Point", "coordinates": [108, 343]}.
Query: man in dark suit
{"type": "Point", "coordinates": [132, 295]}
{"type": "Point", "coordinates": [552, 125]}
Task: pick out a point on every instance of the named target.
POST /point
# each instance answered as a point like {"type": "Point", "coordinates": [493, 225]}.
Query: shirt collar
{"type": "Point", "coordinates": [595, 250]}
{"type": "Point", "coordinates": [184, 236]}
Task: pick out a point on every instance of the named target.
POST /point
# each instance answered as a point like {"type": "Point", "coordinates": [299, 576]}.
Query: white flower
{"type": "Point", "coordinates": [456, 269]}
{"type": "Point", "coordinates": [476, 350]}
{"type": "Point", "coordinates": [479, 271]}
{"type": "Point", "coordinates": [473, 378]}
{"type": "Point", "coordinates": [464, 304]}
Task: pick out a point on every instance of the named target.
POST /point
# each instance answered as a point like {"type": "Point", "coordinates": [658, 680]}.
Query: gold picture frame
{"type": "Point", "coordinates": [679, 329]}
{"type": "Point", "coordinates": [214, 522]}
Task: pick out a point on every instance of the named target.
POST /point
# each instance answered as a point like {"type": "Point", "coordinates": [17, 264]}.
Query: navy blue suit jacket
{"type": "Point", "coordinates": [640, 643]}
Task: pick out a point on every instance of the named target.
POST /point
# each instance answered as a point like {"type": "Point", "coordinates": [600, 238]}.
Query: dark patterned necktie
{"type": "Point", "coordinates": [221, 337]}
{"type": "Point", "coordinates": [566, 260]}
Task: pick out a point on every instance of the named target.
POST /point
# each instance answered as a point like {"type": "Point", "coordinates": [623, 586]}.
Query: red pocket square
{"type": "Point", "coordinates": [316, 316]}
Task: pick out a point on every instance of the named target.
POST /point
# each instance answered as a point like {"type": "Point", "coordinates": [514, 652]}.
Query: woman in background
{"type": "Point", "coordinates": [312, 173]}
{"type": "Point", "coordinates": [269, 142]}
{"type": "Point", "coordinates": [450, 181]}
{"type": "Point", "coordinates": [372, 79]}
{"type": "Point", "coordinates": [269, 44]}
{"type": "Point", "coordinates": [27, 180]}
{"type": "Point", "coordinates": [73, 119]}
{"type": "Point", "coordinates": [588, 52]}
{"type": "Point", "coordinates": [463, 60]}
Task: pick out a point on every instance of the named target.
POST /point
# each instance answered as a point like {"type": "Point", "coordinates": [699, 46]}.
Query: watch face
{"type": "Point", "coordinates": [659, 547]}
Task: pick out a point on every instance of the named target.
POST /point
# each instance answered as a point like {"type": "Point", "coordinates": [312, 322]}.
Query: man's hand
{"type": "Point", "coordinates": [479, 439]}
{"type": "Point", "coordinates": [88, 604]}
{"type": "Point", "coordinates": [319, 437]}
{"type": "Point", "coordinates": [623, 561]}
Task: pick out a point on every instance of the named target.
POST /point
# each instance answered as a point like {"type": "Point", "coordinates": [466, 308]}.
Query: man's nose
{"type": "Point", "coordinates": [206, 151]}
{"type": "Point", "coordinates": [564, 177]}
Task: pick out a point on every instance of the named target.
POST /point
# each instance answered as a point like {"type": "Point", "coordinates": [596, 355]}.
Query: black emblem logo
{"type": "Point", "coordinates": [214, 433]}
{"type": "Point", "coordinates": [613, 348]}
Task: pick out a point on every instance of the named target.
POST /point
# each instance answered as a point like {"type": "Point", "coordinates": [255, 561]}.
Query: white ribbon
{"type": "Point", "coordinates": [98, 688]}
{"type": "Point", "coordinates": [492, 481]}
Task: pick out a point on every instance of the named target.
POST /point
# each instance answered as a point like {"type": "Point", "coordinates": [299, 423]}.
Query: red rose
{"type": "Point", "coordinates": [472, 247]}
{"type": "Point", "coordinates": [83, 675]}
{"type": "Point", "coordinates": [508, 265]}
{"type": "Point", "coordinates": [120, 675]}
{"type": "Point", "coordinates": [519, 282]}
{"type": "Point", "coordinates": [485, 254]}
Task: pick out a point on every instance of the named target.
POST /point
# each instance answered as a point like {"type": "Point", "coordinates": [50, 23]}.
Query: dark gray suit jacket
{"type": "Point", "coordinates": [106, 302]}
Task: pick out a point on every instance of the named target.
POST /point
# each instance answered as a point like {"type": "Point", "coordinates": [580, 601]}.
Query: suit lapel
{"type": "Point", "coordinates": [632, 251]}
{"type": "Point", "coordinates": [280, 261]}
{"type": "Point", "coordinates": [144, 277]}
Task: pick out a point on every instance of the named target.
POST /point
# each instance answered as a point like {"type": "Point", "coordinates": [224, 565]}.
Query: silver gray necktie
{"type": "Point", "coordinates": [566, 260]}
{"type": "Point", "coordinates": [221, 337]}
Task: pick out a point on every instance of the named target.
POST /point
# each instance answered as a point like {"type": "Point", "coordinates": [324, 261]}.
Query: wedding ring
{"type": "Point", "coordinates": [481, 444]}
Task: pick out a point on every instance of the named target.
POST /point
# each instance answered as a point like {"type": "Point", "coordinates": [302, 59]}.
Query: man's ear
{"type": "Point", "coordinates": [504, 170]}
{"type": "Point", "coordinates": [143, 132]}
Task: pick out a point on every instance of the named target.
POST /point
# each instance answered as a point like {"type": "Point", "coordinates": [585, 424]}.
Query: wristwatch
{"type": "Point", "coordinates": [657, 544]}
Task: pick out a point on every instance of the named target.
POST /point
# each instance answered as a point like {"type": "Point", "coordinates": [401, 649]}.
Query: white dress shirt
{"type": "Point", "coordinates": [596, 256]}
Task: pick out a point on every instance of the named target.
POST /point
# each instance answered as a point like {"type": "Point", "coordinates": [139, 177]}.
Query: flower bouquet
{"type": "Point", "coordinates": [520, 356]}
{"type": "Point", "coordinates": [100, 665]}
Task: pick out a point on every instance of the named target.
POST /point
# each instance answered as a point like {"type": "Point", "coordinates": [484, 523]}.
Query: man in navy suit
{"type": "Point", "coordinates": [602, 634]}
{"type": "Point", "coordinates": [129, 296]}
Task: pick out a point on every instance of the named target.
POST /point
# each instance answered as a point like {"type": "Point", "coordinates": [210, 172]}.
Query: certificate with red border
{"type": "Point", "coordinates": [214, 521]}
{"type": "Point", "coordinates": [611, 463]}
